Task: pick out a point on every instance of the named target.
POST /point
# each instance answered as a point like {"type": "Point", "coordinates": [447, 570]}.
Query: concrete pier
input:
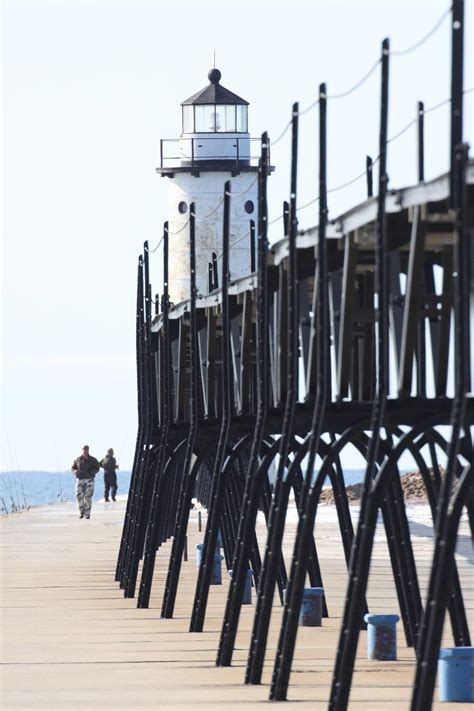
{"type": "Point", "coordinates": [71, 641]}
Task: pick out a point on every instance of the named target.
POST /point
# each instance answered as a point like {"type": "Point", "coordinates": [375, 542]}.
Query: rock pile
{"type": "Point", "coordinates": [412, 486]}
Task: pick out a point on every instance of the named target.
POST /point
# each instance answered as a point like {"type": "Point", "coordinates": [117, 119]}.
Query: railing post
{"type": "Point", "coordinates": [421, 141]}
{"type": "Point", "coordinates": [215, 272]}
{"type": "Point", "coordinates": [252, 246]}
{"type": "Point", "coordinates": [286, 217]}
{"type": "Point", "coordinates": [370, 176]}
{"type": "Point", "coordinates": [457, 54]}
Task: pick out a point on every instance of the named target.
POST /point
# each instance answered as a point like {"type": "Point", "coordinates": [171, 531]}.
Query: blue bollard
{"type": "Point", "coordinates": [456, 674]}
{"type": "Point", "coordinates": [311, 607]}
{"type": "Point", "coordinates": [199, 550]}
{"type": "Point", "coordinates": [382, 637]}
{"type": "Point", "coordinates": [216, 577]}
{"type": "Point", "coordinates": [247, 598]}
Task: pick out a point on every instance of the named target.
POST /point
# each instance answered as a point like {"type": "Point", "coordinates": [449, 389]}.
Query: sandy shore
{"type": "Point", "coordinates": [71, 641]}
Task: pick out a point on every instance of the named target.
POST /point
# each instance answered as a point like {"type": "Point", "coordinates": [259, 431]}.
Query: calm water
{"type": "Point", "coordinates": [19, 489]}
{"type": "Point", "coordinates": [36, 488]}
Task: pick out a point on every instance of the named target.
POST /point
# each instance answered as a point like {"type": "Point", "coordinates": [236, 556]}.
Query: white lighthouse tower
{"type": "Point", "coordinates": [214, 146]}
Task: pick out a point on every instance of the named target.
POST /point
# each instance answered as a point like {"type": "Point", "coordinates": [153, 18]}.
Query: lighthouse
{"type": "Point", "coordinates": [214, 146]}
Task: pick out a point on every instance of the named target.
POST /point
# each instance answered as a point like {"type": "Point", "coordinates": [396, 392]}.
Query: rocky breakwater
{"type": "Point", "coordinates": [413, 488]}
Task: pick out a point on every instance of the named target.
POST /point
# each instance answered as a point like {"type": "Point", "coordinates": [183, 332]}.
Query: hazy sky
{"type": "Point", "coordinates": [88, 90]}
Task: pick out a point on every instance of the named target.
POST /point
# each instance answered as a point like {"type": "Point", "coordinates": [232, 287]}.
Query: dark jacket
{"type": "Point", "coordinates": [85, 467]}
{"type": "Point", "coordinates": [109, 464]}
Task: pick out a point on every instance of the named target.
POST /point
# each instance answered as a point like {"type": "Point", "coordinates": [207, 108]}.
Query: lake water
{"type": "Point", "coordinates": [34, 488]}
{"type": "Point", "coordinates": [18, 489]}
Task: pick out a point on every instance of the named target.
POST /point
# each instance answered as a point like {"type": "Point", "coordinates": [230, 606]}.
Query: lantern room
{"type": "Point", "coordinates": [214, 131]}
{"type": "Point", "coordinates": [215, 109]}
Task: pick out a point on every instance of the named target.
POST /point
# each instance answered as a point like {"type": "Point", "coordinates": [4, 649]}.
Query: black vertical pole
{"type": "Point", "coordinates": [296, 580]}
{"type": "Point", "coordinates": [268, 574]}
{"type": "Point", "coordinates": [286, 217]}
{"type": "Point", "coordinates": [215, 271]}
{"type": "Point", "coordinates": [210, 284]}
{"type": "Point", "coordinates": [363, 541]}
{"type": "Point", "coordinates": [457, 58]}
{"type": "Point", "coordinates": [135, 478]}
{"type": "Point", "coordinates": [429, 639]}
{"type": "Point", "coordinates": [369, 169]}
{"type": "Point", "coordinates": [152, 541]}
{"type": "Point", "coordinates": [254, 475]}
{"type": "Point", "coordinates": [187, 483]}
{"type": "Point", "coordinates": [252, 246]}
{"type": "Point", "coordinates": [217, 491]}
{"type": "Point", "coordinates": [421, 141]}
{"type": "Point", "coordinates": [421, 330]}
{"type": "Point", "coordinates": [140, 519]}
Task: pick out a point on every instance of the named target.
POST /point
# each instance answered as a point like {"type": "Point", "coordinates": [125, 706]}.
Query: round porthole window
{"type": "Point", "coordinates": [249, 207]}
{"type": "Point", "coordinates": [182, 208]}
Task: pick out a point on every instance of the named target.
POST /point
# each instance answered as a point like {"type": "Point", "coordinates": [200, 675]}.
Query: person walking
{"type": "Point", "coordinates": [85, 467]}
{"type": "Point", "coordinates": [110, 466]}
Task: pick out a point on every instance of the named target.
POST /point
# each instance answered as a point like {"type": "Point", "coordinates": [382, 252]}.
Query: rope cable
{"type": "Point", "coordinates": [400, 52]}
{"type": "Point", "coordinates": [389, 140]}
{"type": "Point", "coordinates": [358, 84]}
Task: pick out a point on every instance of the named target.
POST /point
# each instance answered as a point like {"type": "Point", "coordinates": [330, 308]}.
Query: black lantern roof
{"type": "Point", "coordinates": [214, 93]}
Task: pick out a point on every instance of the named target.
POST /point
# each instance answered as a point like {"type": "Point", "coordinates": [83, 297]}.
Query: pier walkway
{"type": "Point", "coordinates": [71, 641]}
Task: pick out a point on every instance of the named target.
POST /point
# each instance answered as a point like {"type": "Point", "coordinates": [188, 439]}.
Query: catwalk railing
{"type": "Point", "coordinates": [293, 364]}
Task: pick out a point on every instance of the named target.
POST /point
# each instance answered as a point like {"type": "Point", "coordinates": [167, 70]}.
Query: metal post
{"type": "Point", "coordinates": [421, 141]}
{"type": "Point", "coordinates": [210, 285]}
{"type": "Point", "coordinates": [187, 483]}
{"type": "Point", "coordinates": [253, 482]}
{"type": "Point", "coordinates": [268, 576]}
{"type": "Point", "coordinates": [457, 60]}
{"type": "Point", "coordinates": [370, 176]}
{"type": "Point", "coordinates": [214, 510]}
{"type": "Point", "coordinates": [431, 627]}
{"type": "Point", "coordinates": [363, 540]}
{"type": "Point", "coordinates": [138, 528]}
{"type": "Point", "coordinates": [310, 493]}
{"type": "Point", "coordinates": [152, 540]}
{"type": "Point", "coordinates": [252, 246]}
{"type": "Point", "coordinates": [134, 482]}
{"type": "Point", "coordinates": [286, 218]}
{"type": "Point", "coordinates": [215, 270]}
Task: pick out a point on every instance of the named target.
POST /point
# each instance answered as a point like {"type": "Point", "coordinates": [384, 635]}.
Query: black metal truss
{"type": "Point", "coordinates": [284, 369]}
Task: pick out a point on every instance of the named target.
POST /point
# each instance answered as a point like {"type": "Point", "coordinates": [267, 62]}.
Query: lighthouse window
{"type": "Point", "coordinates": [188, 119]}
{"type": "Point", "coordinates": [204, 118]}
{"type": "Point", "coordinates": [229, 118]}
{"type": "Point", "coordinates": [215, 118]}
{"type": "Point", "coordinates": [242, 119]}
{"type": "Point", "coordinates": [182, 207]}
{"type": "Point", "coordinates": [249, 207]}
{"type": "Point", "coordinates": [218, 119]}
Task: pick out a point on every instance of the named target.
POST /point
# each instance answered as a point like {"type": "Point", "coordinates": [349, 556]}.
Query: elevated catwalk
{"type": "Point", "coordinates": [352, 336]}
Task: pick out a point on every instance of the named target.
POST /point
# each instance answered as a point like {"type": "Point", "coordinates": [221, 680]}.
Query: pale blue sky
{"type": "Point", "coordinates": [88, 90]}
